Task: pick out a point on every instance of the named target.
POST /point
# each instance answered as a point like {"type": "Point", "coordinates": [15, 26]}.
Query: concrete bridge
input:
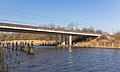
{"type": "Point", "coordinates": [9, 27]}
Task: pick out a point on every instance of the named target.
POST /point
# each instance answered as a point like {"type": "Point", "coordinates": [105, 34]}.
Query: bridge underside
{"type": "Point", "coordinates": [38, 32]}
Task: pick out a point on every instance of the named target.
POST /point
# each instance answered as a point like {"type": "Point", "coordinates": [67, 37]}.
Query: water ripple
{"type": "Point", "coordinates": [61, 60]}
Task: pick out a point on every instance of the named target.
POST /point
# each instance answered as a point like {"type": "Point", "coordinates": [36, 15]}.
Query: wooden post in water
{"type": "Point", "coordinates": [16, 45]}
{"type": "Point", "coordinates": [20, 45]}
{"type": "Point", "coordinates": [12, 45]}
{"type": "Point", "coordinates": [7, 45]}
{"type": "Point", "coordinates": [32, 50]}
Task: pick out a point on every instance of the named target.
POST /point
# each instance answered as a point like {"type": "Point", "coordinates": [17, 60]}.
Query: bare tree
{"type": "Point", "coordinates": [71, 26]}
{"type": "Point", "coordinates": [52, 25]}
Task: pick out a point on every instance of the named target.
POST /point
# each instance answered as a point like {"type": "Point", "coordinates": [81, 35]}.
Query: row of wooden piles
{"type": "Point", "coordinates": [22, 46]}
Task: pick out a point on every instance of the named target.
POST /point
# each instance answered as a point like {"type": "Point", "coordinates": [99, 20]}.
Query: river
{"type": "Point", "coordinates": [61, 60]}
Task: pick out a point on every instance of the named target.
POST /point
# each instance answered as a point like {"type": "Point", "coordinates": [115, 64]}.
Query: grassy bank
{"type": "Point", "coordinates": [98, 44]}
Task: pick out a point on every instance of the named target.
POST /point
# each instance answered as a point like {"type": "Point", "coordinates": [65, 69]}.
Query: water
{"type": "Point", "coordinates": [62, 60]}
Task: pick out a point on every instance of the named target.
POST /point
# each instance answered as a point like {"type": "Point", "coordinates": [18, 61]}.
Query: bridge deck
{"type": "Point", "coordinates": [36, 29]}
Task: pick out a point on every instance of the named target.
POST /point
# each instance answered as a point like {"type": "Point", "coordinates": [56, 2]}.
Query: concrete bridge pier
{"type": "Point", "coordinates": [56, 39]}
{"type": "Point", "coordinates": [70, 40]}
{"type": "Point", "coordinates": [63, 39]}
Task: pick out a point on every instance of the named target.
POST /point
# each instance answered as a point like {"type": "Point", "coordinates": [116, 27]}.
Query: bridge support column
{"type": "Point", "coordinates": [56, 39]}
{"type": "Point", "coordinates": [61, 38]}
{"type": "Point", "coordinates": [70, 40]}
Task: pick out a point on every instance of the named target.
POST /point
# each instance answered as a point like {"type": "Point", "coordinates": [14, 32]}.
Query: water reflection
{"type": "Point", "coordinates": [70, 49]}
{"type": "Point", "coordinates": [70, 62]}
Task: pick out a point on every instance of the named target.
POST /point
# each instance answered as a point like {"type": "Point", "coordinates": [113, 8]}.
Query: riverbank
{"type": "Point", "coordinates": [99, 44]}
